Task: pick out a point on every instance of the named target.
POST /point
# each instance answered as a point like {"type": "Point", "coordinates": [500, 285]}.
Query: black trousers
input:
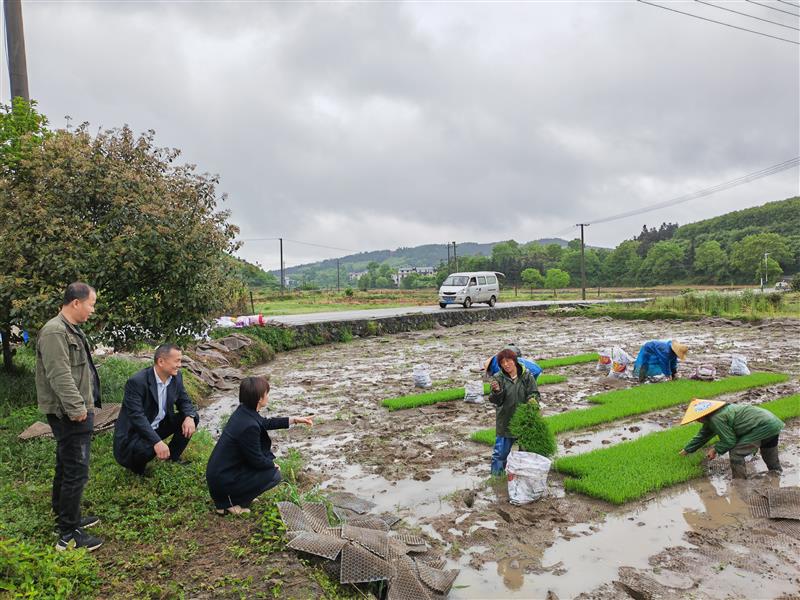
{"type": "Point", "coordinates": [143, 452]}
{"type": "Point", "coordinates": [73, 443]}
{"type": "Point", "coordinates": [251, 484]}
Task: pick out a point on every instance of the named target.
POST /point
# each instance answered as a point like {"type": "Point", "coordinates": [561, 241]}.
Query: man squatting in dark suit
{"type": "Point", "coordinates": [148, 414]}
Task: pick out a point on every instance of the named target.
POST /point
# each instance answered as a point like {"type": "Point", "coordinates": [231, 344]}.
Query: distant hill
{"type": "Point", "coordinates": [429, 255]}
{"type": "Point", "coordinates": [781, 217]}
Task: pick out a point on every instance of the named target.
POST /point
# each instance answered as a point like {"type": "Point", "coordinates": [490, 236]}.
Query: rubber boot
{"type": "Point", "coordinates": [738, 470]}
{"type": "Point", "coordinates": [770, 456]}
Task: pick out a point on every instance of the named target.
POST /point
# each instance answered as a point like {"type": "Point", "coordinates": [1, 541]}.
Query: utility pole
{"type": "Point", "coordinates": [455, 256]}
{"type": "Point", "coordinates": [337, 275]}
{"type": "Point", "coordinates": [764, 281]}
{"type": "Point", "coordinates": [448, 256]}
{"type": "Point", "coordinates": [583, 263]}
{"type": "Point", "coordinates": [15, 42]}
{"type": "Point", "coordinates": [283, 275]}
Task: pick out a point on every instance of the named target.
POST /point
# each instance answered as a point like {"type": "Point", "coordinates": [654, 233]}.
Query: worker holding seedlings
{"type": "Point", "coordinates": [659, 357]}
{"type": "Point", "coordinates": [742, 430]}
{"type": "Point", "coordinates": [511, 386]}
{"type": "Point", "coordinates": [492, 365]}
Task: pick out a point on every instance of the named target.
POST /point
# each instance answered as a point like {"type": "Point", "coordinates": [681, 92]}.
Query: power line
{"type": "Point", "coordinates": [773, 8]}
{"type": "Point", "coordinates": [274, 239]}
{"type": "Point", "coordinates": [774, 37]}
{"type": "Point", "coordinates": [789, 3]}
{"type": "Point", "coordinates": [747, 15]}
{"type": "Point", "coordinates": [707, 191]}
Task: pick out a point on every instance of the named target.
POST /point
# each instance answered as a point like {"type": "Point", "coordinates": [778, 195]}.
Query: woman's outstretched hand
{"type": "Point", "coordinates": [302, 421]}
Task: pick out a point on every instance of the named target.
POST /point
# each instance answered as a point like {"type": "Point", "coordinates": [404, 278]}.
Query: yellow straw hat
{"type": "Point", "coordinates": [680, 349]}
{"type": "Point", "coordinates": [701, 408]}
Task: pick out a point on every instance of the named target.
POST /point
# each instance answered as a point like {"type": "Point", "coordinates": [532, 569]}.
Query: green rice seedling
{"type": "Point", "coordinates": [531, 431]}
{"type": "Point", "coordinates": [563, 361]}
{"type": "Point", "coordinates": [450, 394]}
{"type": "Point", "coordinates": [633, 469]}
{"type": "Point", "coordinates": [619, 404]}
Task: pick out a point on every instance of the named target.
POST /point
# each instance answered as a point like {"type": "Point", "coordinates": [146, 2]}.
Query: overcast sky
{"type": "Point", "coordinates": [376, 125]}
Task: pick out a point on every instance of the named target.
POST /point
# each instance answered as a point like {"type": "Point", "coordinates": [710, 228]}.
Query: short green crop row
{"type": "Point", "coordinates": [563, 361]}
{"type": "Point", "coordinates": [630, 470]}
{"type": "Point", "coordinates": [450, 394]}
{"type": "Point", "coordinates": [643, 399]}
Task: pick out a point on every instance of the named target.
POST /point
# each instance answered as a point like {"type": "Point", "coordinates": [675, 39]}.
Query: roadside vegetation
{"type": "Point", "coordinates": [641, 399]}
{"type": "Point", "coordinates": [630, 470]}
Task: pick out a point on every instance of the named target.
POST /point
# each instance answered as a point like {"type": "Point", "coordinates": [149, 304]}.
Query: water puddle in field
{"type": "Point", "coordinates": [408, 498]}
{"type": "Point", "coordinates": [590, 555]}
{"type": "Point", "coordinates": [572, 443]}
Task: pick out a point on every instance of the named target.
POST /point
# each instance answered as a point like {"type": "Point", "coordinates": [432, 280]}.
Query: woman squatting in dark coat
{"type": "Point", "coordinates": [242, 465]}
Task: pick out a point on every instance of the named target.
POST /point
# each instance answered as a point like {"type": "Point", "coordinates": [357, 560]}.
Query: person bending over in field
{"type": "Point", "coordinates": [242, 465]}
{"type": "Point", "coordinates": [658, 357]}
{"type": "Point", "coordinates": [742, 430]}
{"type": "Point", "coordinates": [511, 386]}
{"type": "Point", "coordinates": [492, 365]}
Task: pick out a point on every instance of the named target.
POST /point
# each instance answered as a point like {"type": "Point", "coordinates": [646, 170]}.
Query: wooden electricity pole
{"type": "Point", "coordinates": [583, 263]}
{"type": "Point", "coordinates": [283, 275]}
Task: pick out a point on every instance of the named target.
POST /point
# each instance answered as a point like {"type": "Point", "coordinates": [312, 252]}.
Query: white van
{"type": "Point", "coordinates": [469, 288]}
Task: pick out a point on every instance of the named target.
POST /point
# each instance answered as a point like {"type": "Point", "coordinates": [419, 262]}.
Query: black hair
{"type": "Point", "coordinates": [251, 390]}
{"type": "Point", "coordinates": [77, 290]}
{"type": "Point", "coordinates": [164, 350]}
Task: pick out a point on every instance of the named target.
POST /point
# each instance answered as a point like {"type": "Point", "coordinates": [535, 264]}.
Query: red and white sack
{"type": "Point", "coordinates": [527, 476]}
{"type": "Point", "coordinates": [604, 362]}
{"type": "Point", "coordinates": [619, 363]}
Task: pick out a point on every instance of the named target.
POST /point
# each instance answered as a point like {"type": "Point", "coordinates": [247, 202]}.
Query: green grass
{"type": "Point", "coordinates": [630, 470]}
{"type": "Point", "coordinates": [641, 399]}
{"type": "Point", "coordinates": [450, 394]}
{"type": "Point", "coordinates": [563, 361]}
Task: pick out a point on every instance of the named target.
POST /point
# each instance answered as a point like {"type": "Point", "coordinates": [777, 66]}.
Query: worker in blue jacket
{"type": "Point", "coordinates": [659, 357]}
{"type": "Point", "coordinates": [492, 367]}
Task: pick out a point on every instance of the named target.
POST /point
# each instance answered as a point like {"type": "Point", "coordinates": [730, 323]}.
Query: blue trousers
{"type": "Point", "coordinates": [502, 448]}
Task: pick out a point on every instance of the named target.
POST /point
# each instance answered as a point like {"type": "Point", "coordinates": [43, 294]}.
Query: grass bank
{"type": "Point", "coordinates": [641, 399]}
{"type": "Point", "coordinates": [630, 470]}
{"type": "Point", "coordinates": [162, 539]}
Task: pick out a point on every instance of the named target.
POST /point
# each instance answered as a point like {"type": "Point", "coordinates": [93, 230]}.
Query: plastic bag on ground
{"type": "Point", "coordinates": [422, 376]}
{"type": "Point", "coordinates": [619, 363]}
{"type": "Point", "coordinates": [739, 365]}
{"type": "Point", "coordinates": [473, 392]}
{"type": "Point", "coordinates": [705, 372]}
{"type": "Point", "coordinates": [604, 362]}
{"type": "Point", "coordinates": [527, 476]}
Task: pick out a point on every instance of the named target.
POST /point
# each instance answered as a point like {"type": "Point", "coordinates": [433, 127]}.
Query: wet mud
{"type": "Point", "coordinates": [695, 540]}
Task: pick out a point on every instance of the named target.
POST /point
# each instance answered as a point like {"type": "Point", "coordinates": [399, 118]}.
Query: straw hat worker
{"type": "Point", "coordinates": [742, 430]}
{"type": "Point", "coordinates": [659, 357]}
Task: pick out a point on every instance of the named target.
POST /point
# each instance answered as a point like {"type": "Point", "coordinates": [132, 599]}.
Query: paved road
{"type": "Point", "coordinates": [378, 313]}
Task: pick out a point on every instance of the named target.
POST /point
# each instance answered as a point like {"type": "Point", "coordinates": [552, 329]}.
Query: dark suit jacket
{"type": "Point", "coordinates": [140, 407]}
{"type": "Point", "coordinates": [243, 448]}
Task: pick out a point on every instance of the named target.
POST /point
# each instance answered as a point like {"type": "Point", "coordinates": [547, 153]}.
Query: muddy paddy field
{"type": "Point", "coordinates": [696, 540]}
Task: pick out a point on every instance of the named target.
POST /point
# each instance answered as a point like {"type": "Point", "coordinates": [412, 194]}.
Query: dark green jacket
{"type": "Point", "coordinates": [66, 381]}
{"type": "Point", "coordinates": [512, 393]}
{"type": "Point", "coordinates": [736, 424]}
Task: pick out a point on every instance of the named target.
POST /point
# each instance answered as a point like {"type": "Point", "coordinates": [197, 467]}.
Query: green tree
{"type": "Point", "coordinates": [571, 263]}
{"type": "Point", "coordinates": [114, 210]}
{"type": "Point", "coordinates": [506, 259]}
{"type": "Point", "coordinates": [663, 263]}
{"type": "Point", "coordinates": [556, 279]}
{"type": "Point", "coordinates": [623, 264]}
{"type": "Point", "coordinates": [364, 282]}
{"type": "Point", "coordinates": [554, 252]}
{"type": "Point", "coordinates": [748, 254]}
{"type": "Point", "coordinates": [774, 271]}
{"type": "Point", "coordinates": [532, 278]}
{"type": "Point", "coordinates": [22, 130]}
{"type": "Point", "coordinates": [711, 261]}
{"type": "Point", "coordinates": [409, 282]}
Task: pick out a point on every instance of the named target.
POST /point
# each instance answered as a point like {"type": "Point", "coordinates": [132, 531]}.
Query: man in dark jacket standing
{"type": "Point", "coordinates": [67, 391]}
{"type": "Point", "coordinates": [148, 415]}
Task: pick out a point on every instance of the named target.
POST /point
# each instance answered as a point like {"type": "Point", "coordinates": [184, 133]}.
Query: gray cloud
{"type": "Point", "coordinates": [375, 125]}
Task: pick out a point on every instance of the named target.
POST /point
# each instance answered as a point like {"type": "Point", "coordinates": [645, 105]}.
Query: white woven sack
{"type": "Point", "coordinates": [527, 476]}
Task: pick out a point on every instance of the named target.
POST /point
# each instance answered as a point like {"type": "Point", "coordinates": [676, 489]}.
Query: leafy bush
{"type": "Point", "coordinates": [633, 469]}
{"type": "Point", "coordinates": [29, 571]}
{"type": "Point", "coordinates": [531, 431]}
{"type": "Point", "coordinates": [795, 283]}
